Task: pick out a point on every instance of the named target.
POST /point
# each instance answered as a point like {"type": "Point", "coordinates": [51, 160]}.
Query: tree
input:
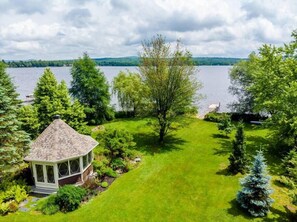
{"type": "Point", "coordinates": [238, 160]}
{"type": "Point", "coordinates": [255, 194]}
{"type": "Point", "coordinates": [269, 79]}
{"type": "Point", "coordinates": [90, 87]}
{"type": "Point", "coordinates": [14, 142]}
{"type": "Point", "coordinates": [225, 125]}
{"type": "Point", "coordinates": [131, 91]}
{"type": "Point", "coordinates": [28, 115]}
{"type": "Point", "coordinates": [289, 165]}
{"type": "Point", "coordinates": [241, 80]}
{"type": "Point", "coordinates": [52, 98]}
{"type": "Point", "coordinates": [169, 76]}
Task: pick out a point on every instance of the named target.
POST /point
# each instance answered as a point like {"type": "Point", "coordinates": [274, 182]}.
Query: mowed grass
{"type": "Point", "coordinates": [184, 180]}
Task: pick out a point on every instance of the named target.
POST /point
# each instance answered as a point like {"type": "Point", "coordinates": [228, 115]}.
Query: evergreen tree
{"type": "Point", "coordinates": [52, 98]}
{"type": "Point", "coordinates": [255, 194]}
{"type": "Point", "coordinates": [290, 165]}
{"type": "Point", "coordinates": [238, 160]}
{"type": "Point", "coordinates": [28, 115]}
{"type": "Point", "coordinates": [14, 142]}
{"type": "Point", "coordinates": [90, 87]}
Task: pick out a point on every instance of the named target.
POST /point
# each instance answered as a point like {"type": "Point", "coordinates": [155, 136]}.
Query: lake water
{"type": "Point", "coordinates": [215, 80]}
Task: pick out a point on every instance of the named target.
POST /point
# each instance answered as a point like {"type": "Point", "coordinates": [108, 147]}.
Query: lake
{"type": "Point", "coordinates": [215, 80]}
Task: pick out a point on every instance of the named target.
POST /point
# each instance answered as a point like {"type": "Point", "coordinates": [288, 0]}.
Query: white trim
{"type": "Point", "coordinates": [45, 183]}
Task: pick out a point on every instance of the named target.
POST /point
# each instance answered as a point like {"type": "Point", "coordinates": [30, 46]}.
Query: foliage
{"type": "Point", "coordinates": [238, 159]}
{"type": "Point", "coordinates": [169, 76]}
{"type": "Point", "coordinates": [241, 79]}
{"type": "Point", "coordinates": [117, 143]}
{"type": "Point", "coordinates": [290, 165]}
{"type": "Point", "coordinates": [14, 142]}
{"type": "Point", "coordinates": [117, 163]}
{"type": "Point", "coordinates": [225, 124]}
{"type": "Point", "coordinates": [270, 80]}
{"type": "Point", "coordinates": [90, 87]}
{"type": "Point", "coordinates": [104, 184]}
{"type": "Point", "coordinates": [28, 115]}
{"type": "Point", "coordinates": [69, 197]}
{"type": "Point", "coordinates": [110, 172]}
{"type": "Point", "coordinates": [130, 91]}
{"type": "Point", "coordinates": [214, 117]}
{"type": "Point", "coordinates": [14, 192]}
{"type": "Point", "coordinates": [52, 98]}
{"type": "Point", "coordinates": [255, 194]}
{"type": "Point", "coordinates": [48, 206]}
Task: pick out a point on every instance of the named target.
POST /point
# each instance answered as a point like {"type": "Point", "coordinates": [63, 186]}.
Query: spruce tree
{"type": "Point", "coordinates": [14, 142]}
{"type": "Point", "coordinates": [255, 194]}
{"type": "Point", "coordinates": [238, 159]}
{"type": "Point", "coordinates": [290, 165]}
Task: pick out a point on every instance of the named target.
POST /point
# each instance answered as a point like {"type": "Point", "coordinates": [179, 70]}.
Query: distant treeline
{"type": "Point", "coordinates": [123, 61]}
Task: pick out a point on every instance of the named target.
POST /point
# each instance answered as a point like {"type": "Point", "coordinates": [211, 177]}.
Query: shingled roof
{"type": "Point", "coordinates": [59, 142]}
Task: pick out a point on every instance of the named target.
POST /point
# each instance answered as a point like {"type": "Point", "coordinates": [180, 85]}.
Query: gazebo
{"type": "Point", "coordinates": [60, 156]}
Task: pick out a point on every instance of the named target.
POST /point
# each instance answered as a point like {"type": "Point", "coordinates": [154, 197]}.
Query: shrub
{"type": "Point", "coordinates": [69, 197]}
{"type": "Point", "coordinates": [225, 124]}
{"type": "Point", "coordinates": [110, 172]}
{"type": "Point", "coordinates": [48, 205]}
{"type": "Point", "coordinates": [117, 163]}
{"type": "Point", "coordinates": [104, 184]}
{"type": "Point", "coordinates": [4, 208]}
{"type": "Point", "coordinates": [116, 143]}
{"type": "Point", "coordinates": [287, 182]}
{"type": "Point", "coordinates": [214, 117]}
{"type": "Point", "coordinates": [13, 206]}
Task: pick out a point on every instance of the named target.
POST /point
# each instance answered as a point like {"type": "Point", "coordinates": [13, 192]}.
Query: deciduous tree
{"type": "Point", "coordinates": [169, 75]}
{"type": "Point", "coordinates": [131, 92]}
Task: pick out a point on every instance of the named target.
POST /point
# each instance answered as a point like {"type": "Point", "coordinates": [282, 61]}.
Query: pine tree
{"type": "Point", "coordinates": [238, 160]}
{"type": "Point", "coordinates": [28, 115]}
{"type": "Point", "coordinates": [255, 194]}
{"type": "Point", "coordinates": [290, 165]}
{"type": "Point", "coordinates": [14, 142]}
{"type": "Point", "coordinates": [90, 87]}
{"type": "Point", "coordinates": [52, 98]}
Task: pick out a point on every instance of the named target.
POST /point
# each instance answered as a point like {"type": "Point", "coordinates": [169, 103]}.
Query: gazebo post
{"type": "Point", "coordinates": [81, 168]}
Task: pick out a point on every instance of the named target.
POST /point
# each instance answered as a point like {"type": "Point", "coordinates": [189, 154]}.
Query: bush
{"type": "Point", "coordinates": [214, 117]}
{"type": "Point", "coordinates": [48, 205]}
{"type": "Point", "coordinates": [287, 182]}
{"type": "Point", "coordinates": [4, 208]}
{"type": "Point", "coordinates": [13, 206]}
{"type": "Point", "coordinates": [117, 163]}
{"type": "Point", "coordinates": [69, 197]}
{"type": "Point", "coordinates": [104, 184]}
{"type": "Point", "coordinates": [110, 172]}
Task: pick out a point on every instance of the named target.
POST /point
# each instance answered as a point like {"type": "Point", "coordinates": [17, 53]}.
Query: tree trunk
{"type": "Point", "coordinates": [162, 134]}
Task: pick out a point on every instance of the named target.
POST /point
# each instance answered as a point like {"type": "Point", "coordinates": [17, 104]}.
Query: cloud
{"type": "Point", "coordinates": [43, 29]}
{"type": "Point", "coordinates": [79, 17]}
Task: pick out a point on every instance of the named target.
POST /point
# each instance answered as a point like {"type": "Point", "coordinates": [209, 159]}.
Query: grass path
{"type": "Point", "coordinates": [183, 181]}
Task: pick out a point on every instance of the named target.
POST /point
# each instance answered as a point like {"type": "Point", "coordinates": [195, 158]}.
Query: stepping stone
{"type": "Point", "coordinates": [23, 209]}
{"type": "Point", "coordinates": [34, 199]}
{"type": "Point", "coordinates": [23, 203]}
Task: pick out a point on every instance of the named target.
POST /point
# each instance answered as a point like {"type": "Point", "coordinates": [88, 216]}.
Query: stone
{"type": "Point", "coordinates": [23, 209]}
{"type": "Point", "coordinates": [34, 199]}
{"type": "Point", "coordinates": [137, 159]}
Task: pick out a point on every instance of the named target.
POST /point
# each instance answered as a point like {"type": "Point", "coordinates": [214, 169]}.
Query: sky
{"type": "Point", "coordinates": [65, 29]}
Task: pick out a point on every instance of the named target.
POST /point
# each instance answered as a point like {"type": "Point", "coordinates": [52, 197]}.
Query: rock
{"type": "Point", "coordinates": [23, 203]}
{"type": "Point", "coordinates": [34, 199]}
{"type": "Point", "coordinates": [23, 209]}
{"type": "Point", "coordinates": [119, 171]}
{"type": "Point", "coordinates": [137, 159]}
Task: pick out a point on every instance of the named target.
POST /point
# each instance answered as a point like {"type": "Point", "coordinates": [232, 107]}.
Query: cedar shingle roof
{"type": "Point", "coordinates": [58, 142]}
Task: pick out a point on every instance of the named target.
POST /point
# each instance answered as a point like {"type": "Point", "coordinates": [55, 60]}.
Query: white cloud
{"type": "Point", "coordinates": [65, 29]}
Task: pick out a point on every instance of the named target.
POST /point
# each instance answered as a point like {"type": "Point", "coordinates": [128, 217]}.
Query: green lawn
{"type": "Point", "coordinates": [182, 181]}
